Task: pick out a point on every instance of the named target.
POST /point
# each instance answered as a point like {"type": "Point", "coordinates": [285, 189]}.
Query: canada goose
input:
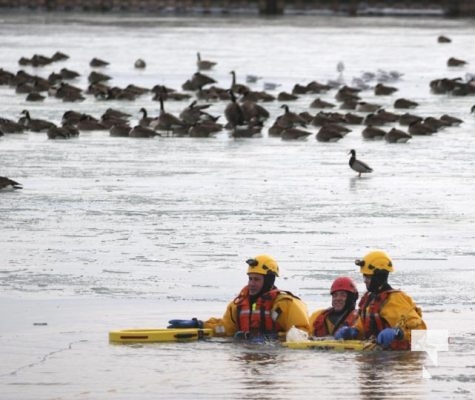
{"type": "Point", "coordinates": [404, 103]}
{"type": "Point", "coordinates": [254, 111]}
{"type": "Point", "coordinates": [58, 133]}
{"type": "Point", "coordinates": [455, 62]}
{"type": "Point", "coordinates": [358, 165]}
{"type": "Point", "coordinates": [375, 119]}
{"type": "Point", "coordinates": [407, 118]}
{"type": "Point", "coordinates": [59, 56]}
{"type": "Point", "coordinates": [443, 39]}
{"type": "Point", "coordinates": [373, 132]}
{"type": "Point", "coordinates": [294, 134]}
{"type": "Point", "coordinates": [193, 112]}
{"type": "Point", "coordinates": [249, 130]}
{"type": "Point", "coordinates": [120, 130]}
{"type": "Point", "coordinates": [290, 119]}
{"type": "Point", "coordinates": [318, 103]}
{"type": "Point", "coordinates": [346, 93]}
{"type": "Point", "coordinates": [387, 115]}
{"type": "Point", "coordinates": [34, 97]}
{"type": "Point", "coordinates": [420, 128]}
{"type": "Point", "coordinates": [197, 81]}
{"type": "Point", "coordinates": [284, 96]}
{"type": "Point", "coordinates": [397, 136]}
{"type": "Point", "coordinates": [88, 123]}
{"type": "Point", "coordinates": [205, 129]}
{"type": "Point", "coordinates": [327, 134]}
{"type": "Point", "coordinates": [323, 118]}
{"type": "Point", "coordinates": [275, 130]}
{"type": "Point", "coordinates": [68, 74]}
{"type": "Point", "coordinates": [233, 112]}
{"type": "Point", "coordinates": [383, 90]}
{"type": "Point", "coordinates": [97, 62]}
{"type": "Point", "coordinates": [96, 77]}
{"type": "Point", "coordinates": [436, 123]}
{"type": "Point", "coordinates": [166, 121]}
{"type": "Point", "coordinates": [9, 126]}
{"type": "Point", "coordinates": [145, 121]}
{"type": "Point", "coordinates": [238, 87]}
{"type": "Point", "coordinates": [35, 125]}
{"type": "Point", "coordinates": [453, 121]}
{"type": "Point", "coordinates": [204, 65]}
{"type": "Point", "coordinates": [317, 87]}
{"type": "Point", "coordinates": [364, 106]}
{"type": "Point", "coordinates": [9, 184]}
{"type": "Point", "coordinates": [139, 64]}
{"type": "Point", "coordinates": [353, 119]}
{"type": "Point", "coordinates": [139, 131]}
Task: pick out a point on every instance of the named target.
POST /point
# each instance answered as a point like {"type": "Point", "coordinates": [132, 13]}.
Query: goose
{"type": "Point", "coordinates": [34, 97]}
{"type": "Point", "coordinates": [373, 132]}
{"type": "Point", "coordinates": [145, 121]}
{"type": "Point", "coordinates": [120, 130]}
{"type": "Point", "coordinates": [139, 131]}
{"type": "Point", "coordinates": [58, 133]}
{"type": "Point", "coordinates": [197, 81]}
{"type": "Point", "coordinates": [166, 121]}
{"type": "Point", "coordinates": [444, 39]}
{"type": "Point", "coordinates": [68, 74]}
{"type": "Point", "coordinates": [284, 96]}
{"type": "Point", "coordinates": [35, 125]}
{"type": "Point", "coordinates": [88, 123]}
{"type": "Point", "coordinates": [397, 136]}
{"type": "Point", "coordinates": [327, 134]}
{"type": "Point", "coordinates": [353, 119]}
{"type": "Point", "coordinates": [233, 112]}
{"type": "Point", "coordinates": [254, 111]}
{"type": "Point", "coordinates": [139, 64]}
{"type": "Point", "coordinates": [436, 123]}
{"type": "Point", "coordinates": [405, 103]}
{"type": "Point", "coordinates": [472, 110]}
{"type": "Point", "coordinates": [455, 62]}
{"type": "Point", "coordinates": [358, 165]}
{"type": "Point", "coordinates": [420, 128]}
{"type": "Point", "coordinates": [383, 90]}
{"type": "Point", "coordinates": [96, 77]}
{"type": "Point", "coordinates": [317, 87]}
{"type": "Point", "coordinates": [205, 129]}
{"type": "Point", "coordinates": [193, 113]}
{"type": "Point", "coordinates": [407, 119]}
{"type": "Point", "coordinates": [204, 65]}
{"type": "Point", "coordinates": [249, 130]}
{"type": "Point", "coordinates": [290, 119]}
{"type": "Point", "coordinates": [375, 119]}
{"type": "Point", "coordinates": [453, 121]}
{"type": "Point", "coordinates": [318, 103]}
{"type": "Point", "coordinates": [97, 62]}
{"type": "Point", "coordinates": [59, 56]}
{"type": "Point", "coordinates": [238, 87]}
{"type": "Point", "coordinates": [364, 106]}
{"type": "Point", "coordinates": [294, 134]}
{"type": "Point", "coordinates": [9, 184]}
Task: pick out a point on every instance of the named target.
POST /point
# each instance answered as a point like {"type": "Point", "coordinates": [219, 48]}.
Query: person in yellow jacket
{"type": "Point", "coordinates": [260, 310]}
{"type": "Point", "coordinates": [344, 294]}
{"type": "Point", "coordinates": [387, 314]}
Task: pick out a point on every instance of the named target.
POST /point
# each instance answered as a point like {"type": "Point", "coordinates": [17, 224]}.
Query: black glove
{"type": "Point", "coordinates": [185, 323]}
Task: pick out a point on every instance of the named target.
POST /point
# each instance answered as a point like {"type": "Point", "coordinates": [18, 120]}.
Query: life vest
{"type": "Point", "coordinates": [257, 319]}
{"type": "Point", "coordinates": [322, 327]}
{"type": "Point", "coordinates": [370, 307]}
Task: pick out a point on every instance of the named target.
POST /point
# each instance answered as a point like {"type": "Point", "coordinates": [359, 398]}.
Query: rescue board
{"type": "Point", "coordinates": [332, 344]}
{"type": "Point", "coordinates": [159, 335]}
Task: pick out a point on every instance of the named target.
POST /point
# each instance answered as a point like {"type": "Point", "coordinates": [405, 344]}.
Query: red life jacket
{"type": "Point", "coordinates": [257, 320]}
{"type": "Point", "coordinates": [321, 328]}
{"type": "Point", "coordinates": [373, 323]}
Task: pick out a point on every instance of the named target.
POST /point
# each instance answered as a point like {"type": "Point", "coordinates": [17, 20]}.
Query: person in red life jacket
{"type": "Point", "coordinates": [342, 312]}
{"type": "Point", "coordinates": [260, 310]}
{"type": "Point", "coordinates": [387, 314]}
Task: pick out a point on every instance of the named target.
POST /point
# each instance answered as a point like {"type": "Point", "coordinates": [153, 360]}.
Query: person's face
{"type": "Point", "coordinates": [339, 300]}
{"type": "Point", "coordinates": [256, 282]}
{"type": "Point", "coordinates": [367, 280]}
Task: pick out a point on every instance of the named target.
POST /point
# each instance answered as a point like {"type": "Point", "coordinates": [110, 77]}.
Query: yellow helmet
{"type": "Point", "coordinates": [262, 264]}
{"type": "Point", "coordinates": [374, 260]}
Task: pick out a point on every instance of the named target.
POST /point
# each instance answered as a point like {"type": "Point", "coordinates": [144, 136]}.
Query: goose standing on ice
{"type": "Point", "coordinates": [204, 65]}
{"type": "Point", "coordinates": [357, 165]}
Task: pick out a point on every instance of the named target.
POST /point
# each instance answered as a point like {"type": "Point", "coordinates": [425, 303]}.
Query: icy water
{"type": "Point", "coordinates": [113, 233]}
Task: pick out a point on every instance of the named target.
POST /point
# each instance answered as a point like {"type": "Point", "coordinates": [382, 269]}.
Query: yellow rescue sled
{"type": "Point", "coordinates": [332, 344]}
{"type": "Point", "coordinates": [159, 335]}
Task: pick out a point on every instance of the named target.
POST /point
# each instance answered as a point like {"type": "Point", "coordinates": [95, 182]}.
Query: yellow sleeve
{"type": "Point", "coordinates": [291, 312]}
{"type": "Point", "coordinates": [225, 326]}
{"type": "Point", "coordinates": [401, 311]}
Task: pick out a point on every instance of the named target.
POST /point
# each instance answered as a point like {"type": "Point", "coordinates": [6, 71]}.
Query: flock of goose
{"type": "Point", "coordinates": [245, 112]}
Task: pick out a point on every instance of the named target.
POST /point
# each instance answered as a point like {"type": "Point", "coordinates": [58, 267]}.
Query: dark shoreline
{"type": "Point", "coordinates": [354, 8]}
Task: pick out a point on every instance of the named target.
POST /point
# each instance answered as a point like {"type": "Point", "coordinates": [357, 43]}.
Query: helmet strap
{"type": "Point", "coordinates": [379, 281]}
